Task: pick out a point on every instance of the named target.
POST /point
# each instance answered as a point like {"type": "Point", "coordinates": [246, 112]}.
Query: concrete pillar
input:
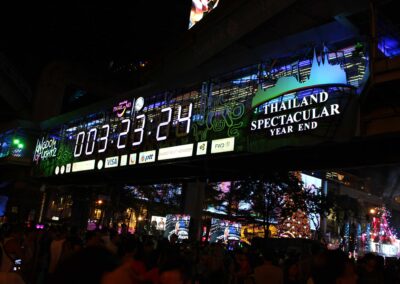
{"type": "Point", "coordinates": [80, 207]}
{"type": "Point", "coordinates": [193, 206]}
{"type": "Point", "coordinates": [323, 218]}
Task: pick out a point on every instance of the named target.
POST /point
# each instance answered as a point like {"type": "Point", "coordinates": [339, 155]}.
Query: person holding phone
{"type": "Point", "coordinates": [9, 277]}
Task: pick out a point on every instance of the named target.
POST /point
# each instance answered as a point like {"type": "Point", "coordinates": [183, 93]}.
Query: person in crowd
{"type": "Point", "coordinates": [173, 276]}
{"type": "Point", "coordinates": [132, 270]}
{"type": "Point", "coordinates": [9, 277]}
{"type": "Point", "coordinates": [291, 272]}
{"type": "Point", "coordinates": [370, 270]}
{"type": "Point", "coordinates": [110, 240]}
{"type": "Point", "coordinates": [348, 275]}
{"type": "Point", "coordinates": [89, 265]}
{"type": "Point", "coordinates": [243, 269]}
{"type": "Point", "coordinates": [10, 247]}
{"type": "Point", "coordinates": [268, 270]}
{"type": "Point", "coordinates": [93, 238]}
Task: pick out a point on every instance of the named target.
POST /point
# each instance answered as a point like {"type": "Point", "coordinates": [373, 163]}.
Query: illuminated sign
{"type": "Point", "coordinates": [279, 122]}
{"type": "Point", "coordinates": [132, 159]}
{"type": "Point", "coordinates": [121, 108]}
{"type": "Point", "coordinates": [45, 149]}
{"type": "Point", "coordinates": [321, 74]}
{"type": "Point", "coordinates": [201, 148]}
{"type": "Point", "coordinates": [291, 114]}
{"type": "Point", "coordinates": [158, 222]}
{"type": "Point", "coordinates": [223, 145]}
{"type": "Point", "coordinates": [200, 8]}
{"type": "Point", "coordinates": [83, 166]}
{"type": "Point", "coordinates": [286, 103]}
{"type": "Point", "coordinates": [175, 152]}
{"type": "Point", "coordinates": [111, 162]}
{"type": "Point", "coordinates": [147, 157]}
{"type": "Point", "coordinates": [124, 160]}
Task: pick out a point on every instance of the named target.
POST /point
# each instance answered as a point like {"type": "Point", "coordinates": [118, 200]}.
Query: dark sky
{"type": "Point", "coordinates": [94, 33]}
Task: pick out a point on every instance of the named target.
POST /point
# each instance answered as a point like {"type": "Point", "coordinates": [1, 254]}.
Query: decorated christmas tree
{"type": "Point", "coordinates": [381, 232]}
{"type": "Point", "coordinates": [296, 226]}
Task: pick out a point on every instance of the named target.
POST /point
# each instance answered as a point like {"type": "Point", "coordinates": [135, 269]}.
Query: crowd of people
{"type": "Point", "coordinates": [67, 255]}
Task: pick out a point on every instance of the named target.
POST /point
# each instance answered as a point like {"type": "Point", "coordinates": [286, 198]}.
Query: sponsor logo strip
{"type": "Point", "coordinates": [124, 160]}
{"type": "Point", "coordinates": [201, 148]}
{"type": "Point", "coordinates": [111, 162]}
{"type": "Point", "coordinates": [132, 159]}
{"type": "Point", "coordinates": [147, 157]}
{"type": "Point", "coordinates": [223, 145]}
{"type": "Point", "coordinates": [175, 152]}
{"type": "Point", "coordinates": [83, 166]}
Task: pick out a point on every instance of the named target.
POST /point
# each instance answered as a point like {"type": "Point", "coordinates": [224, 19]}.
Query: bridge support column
{"type": "Point", "coordinates": [193, 206]}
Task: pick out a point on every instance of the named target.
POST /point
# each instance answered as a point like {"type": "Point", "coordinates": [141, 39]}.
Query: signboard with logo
{"type": "Point", "coordinates": [293, 101]}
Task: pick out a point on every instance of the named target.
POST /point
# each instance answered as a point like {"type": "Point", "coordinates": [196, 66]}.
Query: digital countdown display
{"type": "Point", "coordinates": [252, 110]}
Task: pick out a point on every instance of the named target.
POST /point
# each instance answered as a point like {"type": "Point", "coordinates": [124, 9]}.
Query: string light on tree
{"type": "Point", "coordinates": [296, 226]}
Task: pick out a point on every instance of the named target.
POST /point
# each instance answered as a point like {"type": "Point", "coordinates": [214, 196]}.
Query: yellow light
{"type": "Point", "coordinates": [140, 218]}
{"type": "Point", "coordinates": [372, 211]}
{"type": "Point", "coordinates": [100, 202]}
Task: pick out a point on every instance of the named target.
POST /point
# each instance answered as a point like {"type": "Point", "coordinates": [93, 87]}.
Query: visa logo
{"type": "Point", "coordinates": [147, 157]}
{"type": "Point", "coordinates": [111, 162]}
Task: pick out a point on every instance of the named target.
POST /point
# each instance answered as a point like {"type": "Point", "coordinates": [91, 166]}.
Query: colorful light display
{"type": "Point", "coordinates": [232, 114]}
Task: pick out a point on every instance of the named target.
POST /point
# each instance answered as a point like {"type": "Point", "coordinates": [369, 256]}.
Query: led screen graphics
{"type": "Point", "coordinates": [200, 8]}
{"type": "Point", "coordinates": [223, 231]}
{"type": "Point", "coordinates": [169, 194]}
{"type": "Point", "coordinates": [223, 189]}
{"type": "Point", "coordinates": [3, 205]}
{"type": "Point", "coordinates": [314, 185]}
{"type": "Point", "coordinates": [178, 225]}
{"type": "Point", "coordinates": [249, 110]}
{"type": "Point", "coordinates": [159, 222]}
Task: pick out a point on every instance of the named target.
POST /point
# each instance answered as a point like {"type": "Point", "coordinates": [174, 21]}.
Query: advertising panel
{"type": "Point", "coordinates": [177, 225]}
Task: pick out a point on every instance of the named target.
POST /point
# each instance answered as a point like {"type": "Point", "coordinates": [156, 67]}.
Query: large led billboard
{"type": "Point", "coordinates": [290, 103]}
{"type": "Point", "coordinates": [221, 196]}
{"type": "Point", "coordinates": [313, 185]}
{"type": "Point", "coordinates": [177, 225]}
{"type": "Point", "coordinates": [159, 222]}
{"type": "Point", "coordinates": [200, 8]}
{"type": "Point", "coordinates": [223, 231]}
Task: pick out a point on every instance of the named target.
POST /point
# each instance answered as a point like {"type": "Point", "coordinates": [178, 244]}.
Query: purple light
{"type": "Point", "coordinates": [389, 46]}
{"type": "Point", "coordinates": [39, 226]}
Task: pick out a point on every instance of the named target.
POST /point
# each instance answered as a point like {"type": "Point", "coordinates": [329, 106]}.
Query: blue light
{"type": "Point", "coordinates": [389, 46]}
{"type": "Point", "coordinates": [244, 79]}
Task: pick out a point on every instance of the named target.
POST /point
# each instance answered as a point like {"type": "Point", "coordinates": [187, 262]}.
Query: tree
{"type": "Point", "coordinates": [274, 197]}
{"type": "Point", "coordinates": [271, 198]}
{"type": "Point", "coordinates": [295, 226]}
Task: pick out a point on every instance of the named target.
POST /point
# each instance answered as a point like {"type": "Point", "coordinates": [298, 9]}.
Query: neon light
{"type": "Point", "coordinates": [45, 149]}
{"type": "Point", "coordinates": [389, 46]}
{"type": "Point", "coordinates": [321, 73]}
{"type": "Point", "coordinates": [120, 109]}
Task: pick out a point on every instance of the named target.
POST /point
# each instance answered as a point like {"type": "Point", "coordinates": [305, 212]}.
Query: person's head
{"type": "Point", "coordinates": [86, 266]}
{"type": "Point", "coordinates": [292, 269]}
{"type": "Point", "coordinates": [93, 238]}
{"type": "Point", "coordinates": [173, 238]}
{"type": "Point", "coordinates": [172, 267]}
{"type": "Point", "coordinates": [174, 276]}
{"type": "Point", "coordinates": [370, 262]}
{"type": "Point", "coordinates": [268, 255]}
